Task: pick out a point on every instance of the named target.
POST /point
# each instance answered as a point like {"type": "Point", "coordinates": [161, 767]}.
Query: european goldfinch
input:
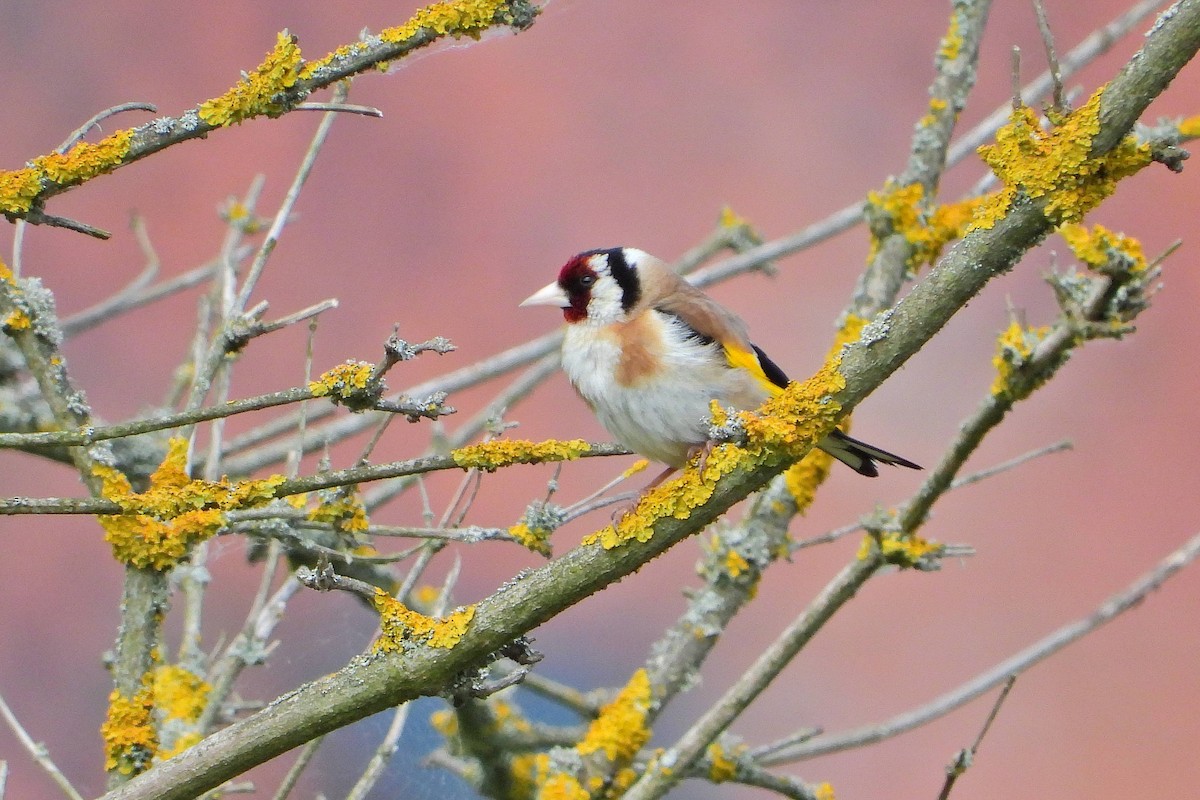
{"type": "Point", "coordinates": [648, 352]}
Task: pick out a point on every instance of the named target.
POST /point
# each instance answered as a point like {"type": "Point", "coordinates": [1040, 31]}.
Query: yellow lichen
{"type": "Point", "coordinates": [85, 160]}
{"type": "Point", "coordinates": [18, 320]}
{"type": "Point", "coordinates": [444, 722]}
{"type": "Point", "coordinates": [1189, 128]}
{"type": "Point", "coordinates": [524, 769]}
{"type": "Point", "coordinates": [947, 223]}
{"type": "Point", "coordinates": [1013, 349]}
{"type": "Point", "coordinates": [1099, 247]}
{"type": "Point", "coordinates": [722, 768]}
{"type": "Point", "coordinates": [426, 595]}
{"type": "Point", "coordinates": [936, 106]}
{"type": "Point", "coordinates": [262, 91]}
{"type": "Point", "coordinates": [736, 564]}
{"type": "Point", "coordinates": [237, 215]}
{"type": "Point", "coordinates": [343, 509]}
{"type": "Point", "coordinates": [620, 730]}
{"type": "Point", "coordinates": [899, 549]}
{"type": "Point", "coordinates": [400, 626]}
{"type": "Point", "coordinates": [490, 456]}
{"type": "Point", "coordinates": [157, 528]}
{"type": "Point", "coordinates": [738, 228]}
{"type": "Point", "coordinates": [825, 792]}
{"type": "Point", "coordinates": [343, 381]}
{"type": "Point", "coordinates": [189, 739]}
{"type": "Point", "coordinates": [179, 694]}
{"type": "Point", "coordinates": [18, 189]}
{"type": "Point", "coordinates": [128, 732]}
{"type": "Point", "coordinates": [636, 467]}
{"type": "Point", "coordinates": [731, 219]}
{"type": "Point", "coordinates": [536, 539]}
{"type": "Point", "coordinates": [951, 44]}
{"type": "Point", "coordinates": [927, 232]}
{"type": "Point", "coordinates": [806, 475]}
{"type": "Point", "coordinates": [1056, 164]}
{"type": "Point", "coordinates": [456, 18]}
{"type": "Point", "coordinates": [507, 717]}
{"type": "Point", "coordinates": [561, 786]}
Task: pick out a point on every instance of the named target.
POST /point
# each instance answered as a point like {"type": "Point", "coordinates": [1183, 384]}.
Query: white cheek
{"type": "Point", "coordinates": [605, 304]}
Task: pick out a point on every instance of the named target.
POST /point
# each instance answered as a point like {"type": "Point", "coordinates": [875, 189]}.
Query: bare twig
{"type": "Point", "coordinates": [293, 774]}
{"type": "Point", "coordinates": [38, 751]}
{"type": "Point", "coordinates": [100, 433]}
{"type": "Point", "coordinates": [383, 753]}
{"type": "Point", "coordinates": [324, 579]}
{"type": "Point", "coordinates": [964, 758]}
{"type": "Point", "coordinates": [957, 483]}
{"type": "Point", "coordinates": [997, 675]}
{"type": "Point", "coordinates": [95, 121]}
{"type": "Point", "coordinates": [289, 202]}
{"type": "Point", "coordinates": [335, 106]}
{"type": "Point", "coordinates": [36, 216]}
{"type": "Point", "coordinates": [1059, 99]}
{"type": "Point", "coordinates": [584, 704]}
{"type": "Point", "coordinates": [799, 737]}
{"type": "Point", "coordinates": [1017, 102]}
{"type": "Point", "coordinates": [251, 645]}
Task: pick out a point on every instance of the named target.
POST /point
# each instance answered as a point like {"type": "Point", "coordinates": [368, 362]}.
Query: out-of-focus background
{"type": "Point", "coordinates": [620, 122]}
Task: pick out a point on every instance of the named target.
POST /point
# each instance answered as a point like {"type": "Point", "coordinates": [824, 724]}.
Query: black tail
{"type": "Point", "coordinates": [860, 456]}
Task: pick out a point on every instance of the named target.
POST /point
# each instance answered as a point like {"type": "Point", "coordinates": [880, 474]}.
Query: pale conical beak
{"type": "Point", "coordinates": [551, 295]}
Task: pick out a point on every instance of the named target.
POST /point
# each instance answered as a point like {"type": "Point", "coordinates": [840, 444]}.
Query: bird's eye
{"type": "Point", "coordinates": [587, 280]}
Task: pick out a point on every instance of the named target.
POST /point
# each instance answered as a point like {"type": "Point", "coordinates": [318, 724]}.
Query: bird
{"type": "Point", "coordinates": [648, 352]}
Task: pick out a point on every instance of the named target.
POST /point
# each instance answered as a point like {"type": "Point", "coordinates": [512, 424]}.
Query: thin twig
{"type": "Point", "coordinates": [506, 399]}
{"type": "Point", "coordinates": [1109, 610]}
{"type": "Point", "coordinates": [367, 111]}
{"type": "Point", "coordinates": [95, 121]}
{"type": "Point", "coordinates": [36, 216]}
{"type": "Point", "coordinates": [383, 753]}
{"type": "Point", "coordinates": [582, 703]}
{"type": "Point", "coordinates": [251, 645]}
{"type": "Point", "coordinates": [957, 483]}
{"type": "Point", "coordinates": [792, 739]}
{"type": "Point", "coordinates": [100, 433]}
{"type": "Point", "coordinates": [293, 774]}
{"type": "Point", "coordinates": [38, 751]}
{"type": "Point", "coordinates": [1017, 102]}
{"type": "Point", "coordinates": [289, 202]}
{"type": "Point", "coordinates": [18, 248]}
{"type": "Point", "coordinates": [965, 758]}
{"type": "Point", "coordinates": [1059, 99]}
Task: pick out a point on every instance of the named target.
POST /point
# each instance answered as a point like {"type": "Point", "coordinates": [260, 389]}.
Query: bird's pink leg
{"type": "Point", "coordinates": [661, 477]}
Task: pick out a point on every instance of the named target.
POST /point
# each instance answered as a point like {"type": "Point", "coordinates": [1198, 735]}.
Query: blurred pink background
{"type": "Point", "coordinates": [613, 123]}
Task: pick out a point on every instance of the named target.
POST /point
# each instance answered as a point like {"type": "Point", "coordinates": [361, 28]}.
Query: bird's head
{"type": "Point", "coordinates": [597, 286]}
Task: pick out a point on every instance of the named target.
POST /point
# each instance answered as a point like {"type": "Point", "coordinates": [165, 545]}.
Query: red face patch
{"type": "Point", "coordinates": [576, 279]}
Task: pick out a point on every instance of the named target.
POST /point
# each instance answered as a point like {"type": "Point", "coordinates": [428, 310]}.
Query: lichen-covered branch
{"type": "Point", "coordinates": [278, 85]}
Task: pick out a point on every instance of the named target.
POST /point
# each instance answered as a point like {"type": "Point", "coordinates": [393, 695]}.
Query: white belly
{"type": "Point", "coordinates": [667, 413]}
